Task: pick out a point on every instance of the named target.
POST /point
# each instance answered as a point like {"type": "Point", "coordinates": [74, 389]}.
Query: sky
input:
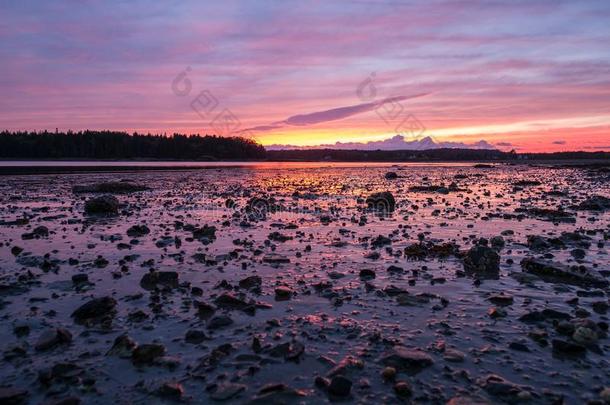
{"type": "Point", "coordinates": [527, 75]}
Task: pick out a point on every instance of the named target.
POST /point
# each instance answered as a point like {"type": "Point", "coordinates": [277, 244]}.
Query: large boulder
{"type": "Point", "coordinates": [105, 204]}
{"type": "Point", "coordinates": [95, 310]}
{"type": "Point", "coordinates": [482, 260]}
{"type": "Point", "coordinates": [383, 201]}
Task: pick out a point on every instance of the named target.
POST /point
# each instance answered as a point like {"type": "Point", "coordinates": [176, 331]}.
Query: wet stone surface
{"type": "Point", "coordinates": [455, 284]}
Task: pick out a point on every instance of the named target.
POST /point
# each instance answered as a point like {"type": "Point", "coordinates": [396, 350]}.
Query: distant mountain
{"type": "Point", "coordinates": [397, 142]}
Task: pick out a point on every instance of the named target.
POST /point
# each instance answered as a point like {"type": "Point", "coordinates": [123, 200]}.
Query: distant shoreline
{"type": "Point", "coordinates": [88, 166]}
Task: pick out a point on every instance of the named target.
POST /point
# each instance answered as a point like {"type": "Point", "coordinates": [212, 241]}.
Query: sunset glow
{"type": "Point", "coordinates": [530, 76]}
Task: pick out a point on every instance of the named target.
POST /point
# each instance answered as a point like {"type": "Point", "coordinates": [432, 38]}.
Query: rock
{"type": "Point", "coordinates": [230, 301]}
{"type": "Point", "coordinates": [502, 388]}
{"type": "Point", "coordinates": [454, 356]}
{"type": "Point", "coordinates": [16, 250]}
{"type": "Point", "coordinates": [321, 382]}
{"type": "Point", "coordinates": [519, 346]}
{"type": "Point", "coordinates": [171, 390]}
{"type": "Point", "coordinates": [482, 260]}
{"type": "Point", "coordinates": [380, 241]}
{"type": "Point", "coordinates": [38, 232]}
{"type": "Point", "coordinates": [578, 253]}
{"type": "Point", "coordinates": [563, 347]}
{"type": "Point", "coordinates": [336, 275]}
{"type": "Point", "coordinates": [289, 350]}
{"type": "Point", "coordinates": [585, 336]}
{"type": "Point", "coordinates": [537, 242]}
{"type": "Point", "coordinates": [539, 336]}
{"type": "Point", "coordinates": [347, 366]}
{"type": "Point", "coordinates": [496, 313]}
{"type": "Point", "coordinates": [51, 338]}
{"type": "Point", "coordinates": [601, 307]}
{"type": "Point", "coordinates": [159, 279]}
{"type": "Point", "coordinates": [502, 299]}
{"type": "Point", "coordinates": [227, 391]}
{"type": "Point", "coordinates": [552, 215]}
{"type": "Point", "coordinates": [106, 204]}
{"type": "Point", "coordinates": [95, 310]}
{"type": "Point", "coordinates": [205, 234]}
{"type": "Point", "coordinates": [137, 231]}
{"type": "Point", "coordinates": [275, 259]}
{"type": "Point", "coordinates": [123, 347]}
{"type": "Point", "coordinates": [408, 360]}
{"type": "Point", "coordinates": [219, 321]}
{"type": "Point", "coordinates": [114, 187]}
{"type": "Point", "coordinates": [467, 400]}
{"type": "Point", "coordinates": [10, 395]}
{"type": "Point", "coordinates": [21, 328]}
{"type": "Point", "coordinates": [497, 242]}
{"type": "Point", "coordinates": [557, 272]}
{"type": "Point", "coordinates": [367, 274]}
{"type": "Point", "coordinates": [544, 315]}
{"type": "Point", "coordinates": [605, 395]}
{"type": "Point", "coordinates": [277, 394]}
{"type": "Point", "coordinates": [252, 282]}
{"type": "Point", "coordinates": [194, 336]}
{"type": "Point", "coordinates": [388, 373]}
{"type": "Point", "coordinates": [147, 353]}
{"type": "Point", "coordinates": [79, 279]}
{"type": "Point", "coordinates": [395, 269]}
{"type": "Point", "coordinates": [391, 175]}
{"type": "Point", "coordinates": [166, 241]}
{"type": "Point", "coordinates": [409, 300]}
{"type": "Point", "coordinates": [403, 389]}
{"type": "Point", "coordinates": [595, 203]}
{"type": "Point", "coordinates": [283, 293]}
{"type": "Point", "coordinates": [278, 237]}
{"type": "Point", "coordinates": [420, 251]}
{"type": "Point", "coordinates": [62, 373]}
{"type": "Point", "coordinates": [383, 201]}
{"type": "Point", "coordinates": [204, 310]}
{"type": "Point", "coordinates": [340, 386]}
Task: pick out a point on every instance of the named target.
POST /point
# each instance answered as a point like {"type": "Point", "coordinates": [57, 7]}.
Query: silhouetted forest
{"type": "Point", "coordinates": [389, 155]}
{"type": "Point", "coordinates": [441, 155]}
{"type": "Point", "coordinates": [121, 145]}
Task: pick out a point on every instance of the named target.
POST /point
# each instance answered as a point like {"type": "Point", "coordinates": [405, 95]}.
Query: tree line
{"type": "Point", "coordinates": [390, 155]}
{"type": "Point", "coordinates": [121, 145]}
{"type": "Point", "coordinates": [440, 155]}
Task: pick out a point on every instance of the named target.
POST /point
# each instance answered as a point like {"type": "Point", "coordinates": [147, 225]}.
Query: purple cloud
{"type": "Point", "coordinates": [333, 114]}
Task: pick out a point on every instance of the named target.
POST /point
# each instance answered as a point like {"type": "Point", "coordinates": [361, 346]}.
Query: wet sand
{"type": "Point", "coordinates": [473, 284]}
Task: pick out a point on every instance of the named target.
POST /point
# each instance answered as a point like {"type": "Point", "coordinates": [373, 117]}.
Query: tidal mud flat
{"type": "Point", "coordinates": [379, 284]}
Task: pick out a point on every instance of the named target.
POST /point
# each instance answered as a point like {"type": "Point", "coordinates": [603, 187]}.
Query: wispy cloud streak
{"type": "Point", "coordinates": [333, 114]}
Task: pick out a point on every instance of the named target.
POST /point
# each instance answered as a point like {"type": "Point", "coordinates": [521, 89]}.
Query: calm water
{"type": "Point", "coordinates": [279, 165]}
